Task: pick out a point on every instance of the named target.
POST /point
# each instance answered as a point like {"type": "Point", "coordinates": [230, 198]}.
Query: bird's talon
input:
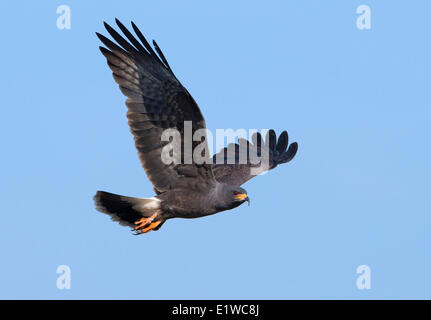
{"type": "Point", "coordinates": [144, 225]}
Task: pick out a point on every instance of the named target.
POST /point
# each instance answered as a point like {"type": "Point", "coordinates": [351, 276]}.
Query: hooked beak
{"type": "Point", "coordinates": [243, 197]}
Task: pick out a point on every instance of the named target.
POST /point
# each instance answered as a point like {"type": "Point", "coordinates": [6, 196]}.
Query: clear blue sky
{"type": "Point", "coordinates": [358, 192]}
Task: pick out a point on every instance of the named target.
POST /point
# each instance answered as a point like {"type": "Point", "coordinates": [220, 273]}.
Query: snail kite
{"type": "Point", "coordinates": [157, 101]}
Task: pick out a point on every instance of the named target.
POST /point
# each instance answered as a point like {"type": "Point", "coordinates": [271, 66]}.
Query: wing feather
{"type": "Point", "coordinates": [156, 101]}
{"type": "Point", "coordinates": [232, 171]}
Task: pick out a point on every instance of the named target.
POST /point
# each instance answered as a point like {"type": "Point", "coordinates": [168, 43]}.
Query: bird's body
{"type": "Point", "coordinates": [194, 203]}
{"type": "Point", "coordinates": [157, 102]}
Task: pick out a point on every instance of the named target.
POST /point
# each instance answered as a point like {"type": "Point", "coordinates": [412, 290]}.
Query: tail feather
{"type": "Point", "coordinates": [125, 210]}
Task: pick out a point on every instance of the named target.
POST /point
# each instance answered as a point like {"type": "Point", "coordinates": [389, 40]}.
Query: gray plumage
{"type": "Point", "coordinates": [157, 101]}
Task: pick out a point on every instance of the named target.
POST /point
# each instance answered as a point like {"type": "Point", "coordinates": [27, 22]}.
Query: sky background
{"type": "Point", "coordinates": [357, 193]}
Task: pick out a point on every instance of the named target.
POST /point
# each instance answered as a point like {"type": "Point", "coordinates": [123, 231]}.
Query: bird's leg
{"type": "Point", "coordinates": [144, 221]}
{"type": "Point", "coordinates": [144, 225]}
{"type": "Point", "coordinates": [152, 226]}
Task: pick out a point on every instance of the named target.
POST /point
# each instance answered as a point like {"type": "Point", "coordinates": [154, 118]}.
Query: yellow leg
{"type": "Point", "coordinates": [145, 225]}
{"type": "Point", "coordinates": [144, 221]}
{"type": "Point", "coordinates": [151, 226]}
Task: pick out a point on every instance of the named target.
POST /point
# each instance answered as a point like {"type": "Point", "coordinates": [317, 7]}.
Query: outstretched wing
{"type": "Point", "coordinates": [156, 101]}
{"type": "Point", "coordinates": [259, 156]}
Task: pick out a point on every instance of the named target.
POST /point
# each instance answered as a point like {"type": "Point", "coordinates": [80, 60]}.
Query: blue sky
{"type": "Point", "coordinates": [357, 193]}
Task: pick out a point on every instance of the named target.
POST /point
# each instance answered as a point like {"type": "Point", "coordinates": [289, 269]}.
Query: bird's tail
{"type": "Point", "coordinates": [129, 211]}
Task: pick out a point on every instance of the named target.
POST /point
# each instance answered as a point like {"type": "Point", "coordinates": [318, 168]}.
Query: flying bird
{"type": "Point", "coordinates": [157, 101]}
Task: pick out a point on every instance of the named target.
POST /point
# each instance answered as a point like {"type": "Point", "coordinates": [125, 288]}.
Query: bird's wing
{"type": "Point", "coordinates": [156, 101]}
{"type": "Point", "coordinates": [239, 162]}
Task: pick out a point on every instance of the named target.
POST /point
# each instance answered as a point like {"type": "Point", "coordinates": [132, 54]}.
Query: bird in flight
{"type": "Point", "coordinates": [157, 101]}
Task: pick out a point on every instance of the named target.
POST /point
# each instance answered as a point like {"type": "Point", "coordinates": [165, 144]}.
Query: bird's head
{"type": "Point", "coordinates": [235, 196]}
